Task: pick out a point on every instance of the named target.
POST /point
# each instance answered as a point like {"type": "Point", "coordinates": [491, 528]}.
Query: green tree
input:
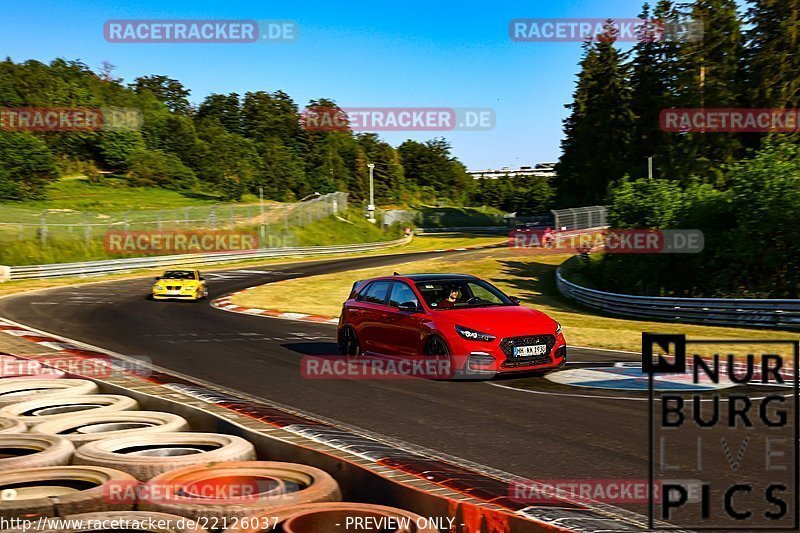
{"type": "Point", "coordinates": [597, 132]}
{"type": "Point", "coordinates": [225, 108]}
{"type": "Point", "coordinates": [430, 164]}
{"type": "Point", "coordinates": [772, 56]}
{"type": "Point", "coordinates": [171, 132]}
{"type": "Point", "coordinates": [116, 148]}
{"type": "Point", "coordinates": [751, 231]}
{"type": "Point", "coordinates": [283, 174]}
{"type": "Point", "coordinates": [167, 90]}
{"type": "Point", "coordinates": [228, 163]}
{"type": "Point", "coordinates": [26, 166]}
{"type": "Point", "coordinates": [711, 77]}
{"type": "Point", "coordinates": [160, 169]}
{"type": "Point", "coordinates": [272, 115]}
{"type": "Point", "coordinates": [654, 74]}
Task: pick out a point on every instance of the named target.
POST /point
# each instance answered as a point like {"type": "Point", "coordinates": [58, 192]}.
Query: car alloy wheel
{"type": "Point", "coordinates": [348, 343]}
{"type": "Point", "coordinates": [436, 349]}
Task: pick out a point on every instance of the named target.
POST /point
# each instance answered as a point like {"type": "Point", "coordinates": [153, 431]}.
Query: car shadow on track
{"type": "Point", "coordinates": [330, 349]}
{"type": "Point", "coordinates": [313, 348]}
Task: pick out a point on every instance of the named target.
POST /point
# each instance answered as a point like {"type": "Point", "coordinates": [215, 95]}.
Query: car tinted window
{"type": "Point", "coordinates": [376, 292]}
{"type": "Point", "coordinates": [363, 292]}
{"type": "Point", "coordinates": [402, 293]}
{"type": "Point", "coordinates": [178, 274]}
{"type": "Point", "coordinates": [468, 293]}
{"type": "Point", "coordinates": [483, 293]}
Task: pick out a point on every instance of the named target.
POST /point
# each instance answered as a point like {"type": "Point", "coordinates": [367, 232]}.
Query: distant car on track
{"type": "Point", "coordinates": [458, 317]}
{"type": "Point", "coordinates": [180, 285]}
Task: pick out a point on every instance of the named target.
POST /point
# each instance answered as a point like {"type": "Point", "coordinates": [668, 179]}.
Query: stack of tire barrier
{"type": "Point", "coordinates": [67, 451]}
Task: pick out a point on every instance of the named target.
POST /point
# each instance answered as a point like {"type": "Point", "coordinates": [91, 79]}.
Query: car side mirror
{"type": "Point", "coordinates": [408, 306]}
{"type": "Point", "coordinates": [202, 279]}
{"type": "Point", "coordinates": [158, 278]}
{"type": "Point", "coordinates": [514, 299]}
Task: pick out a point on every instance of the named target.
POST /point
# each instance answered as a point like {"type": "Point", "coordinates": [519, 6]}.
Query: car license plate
{"type": "Point", "coordinates": [527, 351]}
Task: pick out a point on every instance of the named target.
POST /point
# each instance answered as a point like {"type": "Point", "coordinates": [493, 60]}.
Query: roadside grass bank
{"type": "Point", "coordinates": [529, 277]}
{"type": "Point", "coordinates": [349, 228]}
{"type": "Point", "coordinates": [459, 217]}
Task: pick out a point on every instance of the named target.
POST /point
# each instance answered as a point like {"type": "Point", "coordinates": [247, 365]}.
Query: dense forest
{"type": "Point", "coordinates": [228, 145]}
{"type": "Point", "coordinates": [741, 189]}
{"type": "Point", "coordinates": [740, 60]}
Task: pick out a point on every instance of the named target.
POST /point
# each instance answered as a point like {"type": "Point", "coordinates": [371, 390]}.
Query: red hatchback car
{"type": "Point", "coordinates": [458, 317]}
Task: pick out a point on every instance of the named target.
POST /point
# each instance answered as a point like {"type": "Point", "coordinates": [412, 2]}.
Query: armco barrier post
{"type": "Point", "coordinates": [5, 273]}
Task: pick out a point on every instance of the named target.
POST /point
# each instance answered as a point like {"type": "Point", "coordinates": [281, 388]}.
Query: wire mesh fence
{"type": "Point", "coordinates": [405, 217]}
{"type": "Point", "coordinates": [268, 218]}
{"type": "Point", "coordinates": [595, 216]}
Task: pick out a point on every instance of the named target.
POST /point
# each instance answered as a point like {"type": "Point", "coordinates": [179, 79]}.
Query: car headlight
{"type": "Point", "coordinates": [158, 288]}
{"type": "Point", "coordinates": [188, 288]}
{"type": "Point", "coordinates": [471, 334]}
{"type": "Point", "coordinates": [558, 328]}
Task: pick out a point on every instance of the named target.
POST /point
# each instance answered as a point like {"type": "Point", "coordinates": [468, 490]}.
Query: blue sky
{"type": "Point", "coordinates": [361, 54]}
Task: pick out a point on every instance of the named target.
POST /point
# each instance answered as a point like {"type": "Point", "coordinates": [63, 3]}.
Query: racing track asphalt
{"type": "Point", "coordinates": [536, 436]}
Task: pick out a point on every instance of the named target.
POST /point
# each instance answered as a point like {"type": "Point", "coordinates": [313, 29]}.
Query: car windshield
{"type": "Point", "coordinates": [460, 294]}
{"type": "Point", "coordinates": [178, 274]}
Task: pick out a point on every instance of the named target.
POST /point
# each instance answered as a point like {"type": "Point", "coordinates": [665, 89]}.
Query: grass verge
{"type": "Point", "coordinates": [531, 278]}
{"type": "Point", "coordinates": [328, 231]}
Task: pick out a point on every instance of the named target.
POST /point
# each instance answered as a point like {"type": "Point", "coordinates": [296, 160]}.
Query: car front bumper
{"type": "Point", "coordinates": [175, 296]}
{"type": "Point", "coordinates": [489, 358]}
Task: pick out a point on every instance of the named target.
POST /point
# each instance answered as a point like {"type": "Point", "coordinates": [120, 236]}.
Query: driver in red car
{"type": "Point", "coordinates": [451, 300]}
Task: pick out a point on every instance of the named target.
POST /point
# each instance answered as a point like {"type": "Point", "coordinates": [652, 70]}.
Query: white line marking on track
{"type": "Point", "coordinates": [569, 395]}
{"type": "Point", "coordinates": [592, 397]}
{"type": "Point", "coordinates": [603, 349]}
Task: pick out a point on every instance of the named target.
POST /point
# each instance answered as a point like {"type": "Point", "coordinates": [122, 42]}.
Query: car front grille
{"type": "Point", "coordinates": [508, 344]}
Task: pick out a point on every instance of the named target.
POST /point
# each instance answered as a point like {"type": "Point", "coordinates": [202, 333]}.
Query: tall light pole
{"type": "Point", "coordinates": [371, 206]}
{"type": "Point", "coordinates": [261, 218]}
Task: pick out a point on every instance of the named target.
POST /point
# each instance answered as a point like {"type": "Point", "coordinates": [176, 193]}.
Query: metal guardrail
{"type": "Point", "coordinates": [97, 268]}
{"type": "Point", "coordinates": [765, 313]}
{"type": "Point", "coordinates": [469, 229]}
{"type": "Point", "coordinates": [580, 217]}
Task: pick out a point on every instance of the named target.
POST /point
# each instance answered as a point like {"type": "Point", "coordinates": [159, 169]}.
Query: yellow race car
{"type": "Point", "coordinates": [180, 285]}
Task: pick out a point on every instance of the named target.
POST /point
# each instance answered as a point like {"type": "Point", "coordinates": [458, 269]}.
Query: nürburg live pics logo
{"type": "Point", "coordinates": [733, 446]}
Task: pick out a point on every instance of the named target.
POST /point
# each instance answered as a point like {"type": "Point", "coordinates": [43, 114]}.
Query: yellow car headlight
{"type": "Point", "coordinates": [158, 288]}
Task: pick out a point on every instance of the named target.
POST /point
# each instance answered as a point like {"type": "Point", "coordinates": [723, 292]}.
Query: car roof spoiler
{"type": "Point", "coordinates": [355, 288]}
